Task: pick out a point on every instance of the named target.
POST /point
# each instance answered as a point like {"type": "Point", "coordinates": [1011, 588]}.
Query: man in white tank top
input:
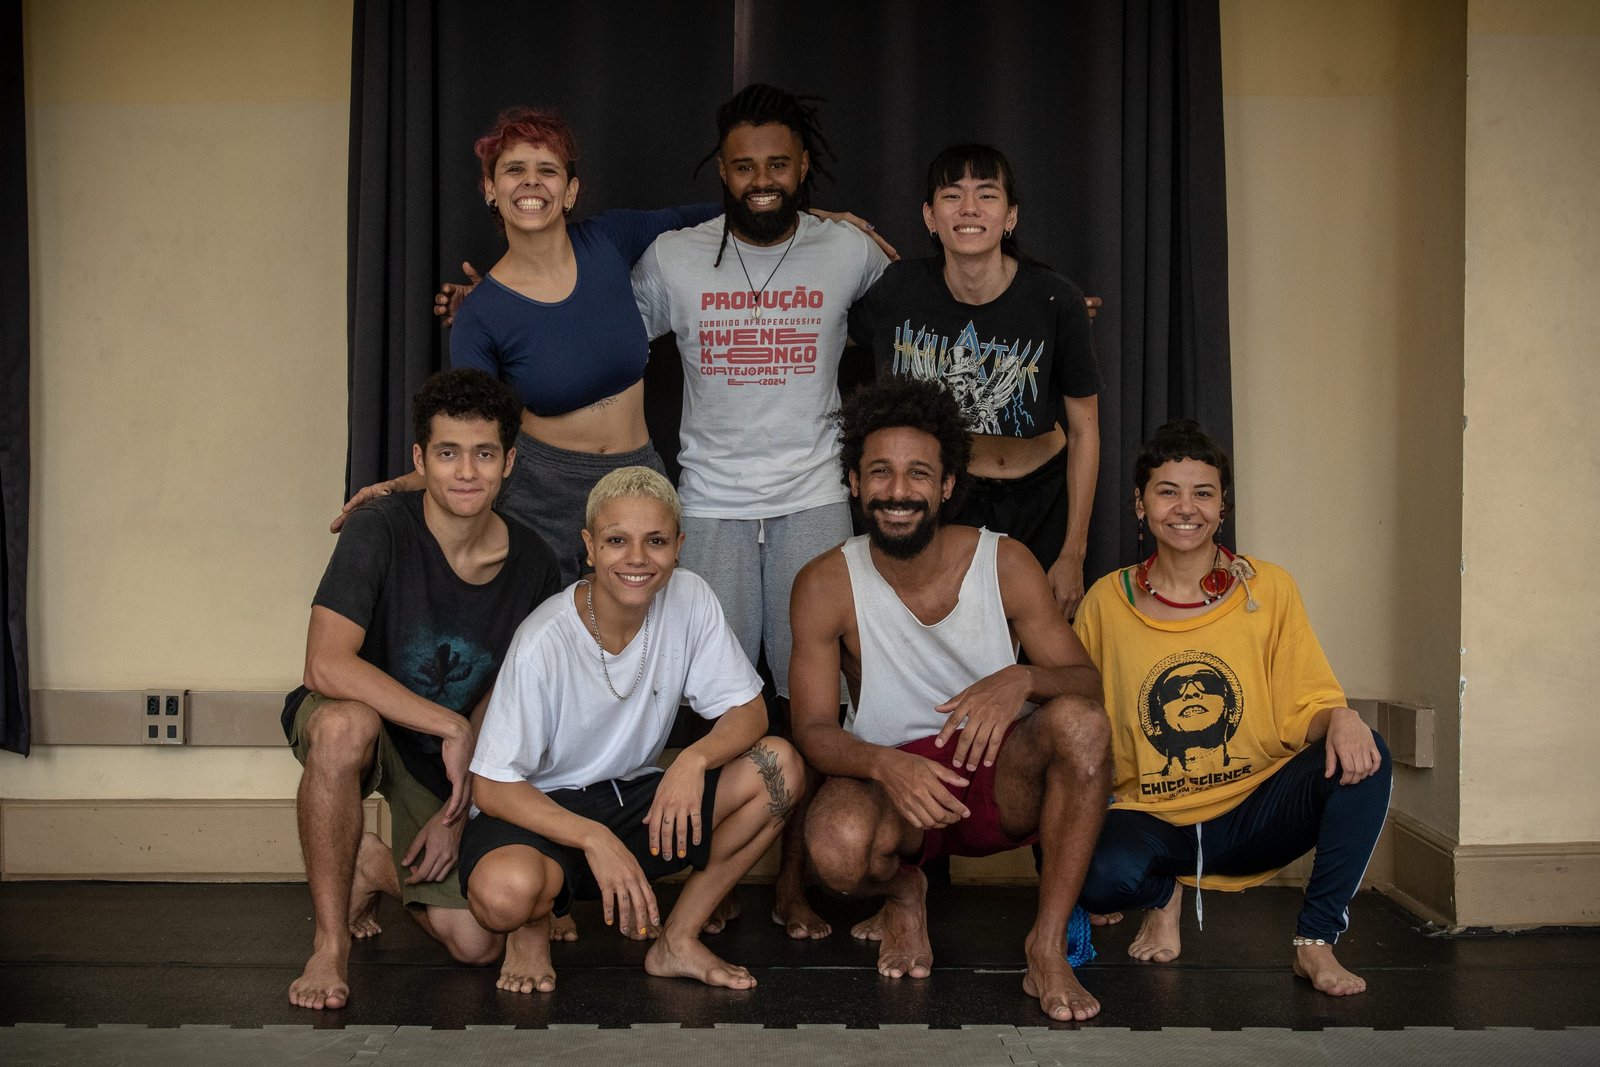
{"type": "Point", "coordinates": [954, 747]}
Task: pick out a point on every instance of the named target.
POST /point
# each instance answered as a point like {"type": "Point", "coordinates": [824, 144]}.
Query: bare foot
{"type": "Point", "coordinates": [527, 967]}
{"type": "Point", "coordinates": [794, 913]}
{"type": "Point", "coordinates": [1158, 939]}
{"type": "Point", "coordinates": [563, 928]}
{"type": "Point", "coordinates": [686, 957]}
{"type": "Point", "coordinates": [323, 984]}
{"type": "Point", "coordinates": [374, 867]}
{"type": "Point", "coordinates": [1060, 994]}
{"type": "Point", "coordinates": [725, 912]}
{"type": "Point", "coordinates": [869, 929]}
{"type": "Point", "coordinates": [1327, 975]}
{"type": "Point", "coordinates": [1110, 918]}
{"type": "Point", "coordinates": [905, 951]}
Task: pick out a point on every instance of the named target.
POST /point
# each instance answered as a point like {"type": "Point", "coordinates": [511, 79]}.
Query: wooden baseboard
{"type": "Point", "coordinates": [1504, 887]}
{"type": "Point", "coordinates": [1509, 887]}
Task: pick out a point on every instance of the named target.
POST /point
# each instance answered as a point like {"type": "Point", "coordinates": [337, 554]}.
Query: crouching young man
{"type": "Point", "coordinates": [571, 803]}
{"type": "Point", "coordinates": [408, 627]}
{"type": "Point", "coordinates": [954, 748]}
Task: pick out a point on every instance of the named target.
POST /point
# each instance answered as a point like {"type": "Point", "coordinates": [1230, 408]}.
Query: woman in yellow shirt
{"type": "Point", "coordinates": [1234, 750]}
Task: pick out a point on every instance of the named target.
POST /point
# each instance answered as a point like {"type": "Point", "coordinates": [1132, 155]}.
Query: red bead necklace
{"type": "Point", "coordinates": [1214, 585]}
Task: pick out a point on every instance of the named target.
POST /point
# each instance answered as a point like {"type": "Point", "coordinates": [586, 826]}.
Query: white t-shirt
{"type": "Point", "coordinates": [552, 721]}
{"type": "Point", "coordinates": [909, 667]}
{"type": "Point", "coordinates": [757, 387]}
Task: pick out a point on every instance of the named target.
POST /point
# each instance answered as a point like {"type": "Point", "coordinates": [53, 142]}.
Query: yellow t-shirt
{"type": "Point", "coordinates": [1203, 710]}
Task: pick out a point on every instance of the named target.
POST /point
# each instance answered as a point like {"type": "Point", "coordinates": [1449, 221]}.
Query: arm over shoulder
{"type": "Point", "coordinates": [359, 567]}
{"type": "Point", "coordinates": [631, 231]}
{"type": "Point", "coordinates": [1077, 369]}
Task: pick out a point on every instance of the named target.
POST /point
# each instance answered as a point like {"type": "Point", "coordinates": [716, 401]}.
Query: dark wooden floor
{"type": "Point", "coordinates": [166, 955]}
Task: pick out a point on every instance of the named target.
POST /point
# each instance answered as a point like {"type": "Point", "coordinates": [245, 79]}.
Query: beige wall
{"type": "Point", "coordinates": [1415, 240]}
{"type": "Point", "coordinates": [1344, 146]}
{"type": "Point", "coordinates": [1530, 626]}
{"type": "Point", "coordinates": [187, 213]}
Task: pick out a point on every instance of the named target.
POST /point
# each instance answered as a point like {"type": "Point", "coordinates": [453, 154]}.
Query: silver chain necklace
{"type": "Point", "coordinates": [644, 653]}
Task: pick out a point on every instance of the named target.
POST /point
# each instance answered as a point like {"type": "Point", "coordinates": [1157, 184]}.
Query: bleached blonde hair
{"type": "Point", "coordinates": [632, 482]}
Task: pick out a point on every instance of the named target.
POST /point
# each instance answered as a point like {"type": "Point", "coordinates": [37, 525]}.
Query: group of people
{"type": "Point", "coordinates": [504, 636]}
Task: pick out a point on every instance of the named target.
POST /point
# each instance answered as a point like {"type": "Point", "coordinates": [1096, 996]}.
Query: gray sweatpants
{"type": "Point", "coordinates": [751, 563]}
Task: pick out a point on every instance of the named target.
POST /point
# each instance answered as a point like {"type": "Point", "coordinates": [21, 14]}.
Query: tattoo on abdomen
{"type": "Point", "coordinates": [766, 761]}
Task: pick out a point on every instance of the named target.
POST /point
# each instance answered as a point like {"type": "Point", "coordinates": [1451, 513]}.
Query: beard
{"type": "Point", "coordinates": [908, 545]}
{"type": "Point", "coordinates": [761, 227]}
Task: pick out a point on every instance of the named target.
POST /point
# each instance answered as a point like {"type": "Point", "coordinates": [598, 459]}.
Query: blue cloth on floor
{"type": "Point", "coordinates": [1080, 949]}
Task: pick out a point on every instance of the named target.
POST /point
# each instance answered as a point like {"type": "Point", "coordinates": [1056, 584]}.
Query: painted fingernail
{"type": "Point", "coordinates": [681, 853]}
{"type": "Point", "coordinates": [655, 851]}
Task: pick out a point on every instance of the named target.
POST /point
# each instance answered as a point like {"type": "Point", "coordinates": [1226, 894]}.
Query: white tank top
{"type": "Point", "coordinates": [907, 667]}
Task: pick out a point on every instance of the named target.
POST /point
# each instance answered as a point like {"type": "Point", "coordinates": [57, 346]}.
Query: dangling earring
{"type": "Point", "coordinates": [934, 234]}
{"type": "Point", "coordinates": [489, 203]}
{"type": "Point", "coordinates": [1008, 234]}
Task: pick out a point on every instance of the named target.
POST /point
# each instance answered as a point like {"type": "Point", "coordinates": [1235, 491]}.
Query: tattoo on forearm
{"type": "Point", "coordinates": [781, 803]}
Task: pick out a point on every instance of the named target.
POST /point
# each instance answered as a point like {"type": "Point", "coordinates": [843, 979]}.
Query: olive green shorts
{"type": "Point", "coordinates": [411, 805]}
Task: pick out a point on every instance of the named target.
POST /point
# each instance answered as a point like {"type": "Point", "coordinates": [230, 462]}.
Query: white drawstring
{"type": "Point", "coordinates": [1199, 867]}
{"type": "Point", "coordinates": [617, 789]}
{"type": "Point", "coordinates": [761, 531]}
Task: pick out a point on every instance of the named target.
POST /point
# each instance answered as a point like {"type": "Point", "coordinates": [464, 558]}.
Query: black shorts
{"type": "Point", "coordinates": [618, 806]}
{"type": "Point", "coordinates": [1031, 509]}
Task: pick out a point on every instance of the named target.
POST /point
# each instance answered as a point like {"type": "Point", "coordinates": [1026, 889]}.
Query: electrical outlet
{"type": "Point", "coordinates": [164, 717]}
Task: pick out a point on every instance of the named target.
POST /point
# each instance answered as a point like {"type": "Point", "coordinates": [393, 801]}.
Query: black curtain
{"type": "Point", "coordinates": [394, 227]}
{"type": "Point", "coordinates": [15, 732]}
{"type": "Point", "coordinates": [1111, 111]}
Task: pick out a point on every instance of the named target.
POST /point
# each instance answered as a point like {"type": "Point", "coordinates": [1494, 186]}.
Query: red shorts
{"type": "Point", "coordinates": [979, 834]}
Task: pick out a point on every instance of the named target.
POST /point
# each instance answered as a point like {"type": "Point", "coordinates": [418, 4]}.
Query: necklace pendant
{"type": "Point", "coordinates": [755, 313]}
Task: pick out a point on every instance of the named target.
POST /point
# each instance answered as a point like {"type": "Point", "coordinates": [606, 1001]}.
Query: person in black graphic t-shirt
{"type": "Point", "coordinates": [1010, 339]}
{"type": "Point", "coordinates": [408, 628]}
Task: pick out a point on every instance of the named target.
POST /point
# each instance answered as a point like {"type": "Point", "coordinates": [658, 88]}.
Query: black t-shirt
{"type": "Point", "coordinates": [1008, 362]}
{"type": "Point", "coordinates": [439, 636]}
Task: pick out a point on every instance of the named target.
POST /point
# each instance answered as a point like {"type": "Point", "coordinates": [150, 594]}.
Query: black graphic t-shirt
{"type": "Point", "coordinates": [439, 636]}
{"type": "Point", "coordinates": [1008, 362]}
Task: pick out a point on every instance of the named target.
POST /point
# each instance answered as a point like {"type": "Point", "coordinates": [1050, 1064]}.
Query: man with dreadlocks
{"type": "Point", "coordinates": [758, 300]}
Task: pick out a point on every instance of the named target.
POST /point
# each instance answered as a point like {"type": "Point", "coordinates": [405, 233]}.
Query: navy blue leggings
{"type": "Point", "coordinates": [1138, 856]}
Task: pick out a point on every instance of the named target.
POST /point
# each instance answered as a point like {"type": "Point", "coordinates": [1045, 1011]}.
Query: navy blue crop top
{"type": "Point", "coordinates": [562, 356]}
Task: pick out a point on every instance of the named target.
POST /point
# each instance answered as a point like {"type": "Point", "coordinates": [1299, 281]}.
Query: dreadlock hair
{"type": "Point", "coordinates": [915, 403]}
{"type": "Point", "coordinates": [758, 105]}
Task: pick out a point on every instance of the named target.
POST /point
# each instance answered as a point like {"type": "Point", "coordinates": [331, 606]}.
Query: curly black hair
{"type": "Point", "coordinates": [465, 393]}
{"type": "Point", "coordinates": [1182, 439]}
{"type": "Point", "coordinates": [911, 402]}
